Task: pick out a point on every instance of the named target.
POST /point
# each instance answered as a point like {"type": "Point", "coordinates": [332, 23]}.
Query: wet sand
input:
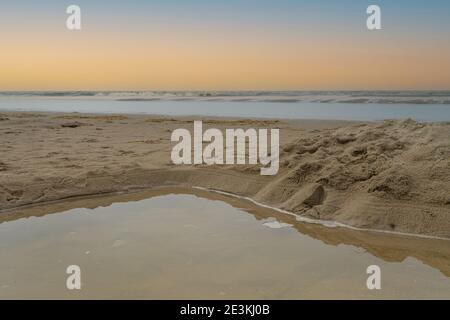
{"type": "Point", "coordinates": [391, 175]}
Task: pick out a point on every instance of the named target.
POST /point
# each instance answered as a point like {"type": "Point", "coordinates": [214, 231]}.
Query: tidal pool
{"type": "Point", "coordinates": [184, 244]}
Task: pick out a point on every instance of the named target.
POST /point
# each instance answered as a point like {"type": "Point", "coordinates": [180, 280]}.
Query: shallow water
{"type": "Point", "coordinates": [250, 109]}
{"type": "Point", "coordinates": [189, 246]}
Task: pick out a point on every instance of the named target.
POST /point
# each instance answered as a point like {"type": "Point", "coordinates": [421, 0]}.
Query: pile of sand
{"type": "Point", "coordinates": [391, 176]}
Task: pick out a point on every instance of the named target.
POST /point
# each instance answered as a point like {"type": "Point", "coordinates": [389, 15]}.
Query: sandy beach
{"type": "Point", "coordinates": [390, 175]}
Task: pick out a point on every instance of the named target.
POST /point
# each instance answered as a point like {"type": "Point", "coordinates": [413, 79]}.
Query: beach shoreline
{"type": "Point", "coordinates": [390, 175]}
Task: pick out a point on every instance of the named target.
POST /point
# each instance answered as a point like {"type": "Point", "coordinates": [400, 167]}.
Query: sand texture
{"type": "Point", "coordinates": [390, 175]}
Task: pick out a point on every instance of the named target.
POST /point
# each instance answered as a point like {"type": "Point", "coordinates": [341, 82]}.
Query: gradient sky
{"type": "Point", "coordinates": [224, 45]}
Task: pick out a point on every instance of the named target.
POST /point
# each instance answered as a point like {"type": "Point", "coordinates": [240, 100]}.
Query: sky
{"type": "Point", "coordinates": [225, 45]}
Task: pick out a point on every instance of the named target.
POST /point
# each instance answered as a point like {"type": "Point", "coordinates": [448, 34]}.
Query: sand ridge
{"type": "Point", "coordinates": [390, 175]}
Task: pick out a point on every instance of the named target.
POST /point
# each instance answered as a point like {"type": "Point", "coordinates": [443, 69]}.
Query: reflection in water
{"type": "Point", "coordinates": [178, 243]}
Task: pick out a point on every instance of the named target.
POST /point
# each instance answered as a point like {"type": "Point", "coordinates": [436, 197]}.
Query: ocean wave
{"type": "Point", "coordinates": [360, 97]}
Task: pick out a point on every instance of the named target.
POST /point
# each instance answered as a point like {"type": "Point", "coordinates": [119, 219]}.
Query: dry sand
{"type": "Point", "coordinates": [391, 175]}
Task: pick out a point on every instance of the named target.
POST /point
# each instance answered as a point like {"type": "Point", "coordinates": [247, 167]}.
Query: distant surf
{"type": "Point", "coordinates": [426, 106]}
{"type": "Point", "coordinates": [384, 97]}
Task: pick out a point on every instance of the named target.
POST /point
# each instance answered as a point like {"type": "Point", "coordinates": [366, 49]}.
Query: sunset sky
{"type": "Point", "coordinates": [224, 45]}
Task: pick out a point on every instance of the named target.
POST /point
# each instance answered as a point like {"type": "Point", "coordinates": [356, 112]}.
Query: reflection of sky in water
{"type": "Point", "coordinates": [182, 246]}
{"type": "Point", "coordinates": [298, 110]}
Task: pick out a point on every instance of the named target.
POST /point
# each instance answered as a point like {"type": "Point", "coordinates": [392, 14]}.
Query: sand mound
{"type": "Point", "coordinates": [394, 175]}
